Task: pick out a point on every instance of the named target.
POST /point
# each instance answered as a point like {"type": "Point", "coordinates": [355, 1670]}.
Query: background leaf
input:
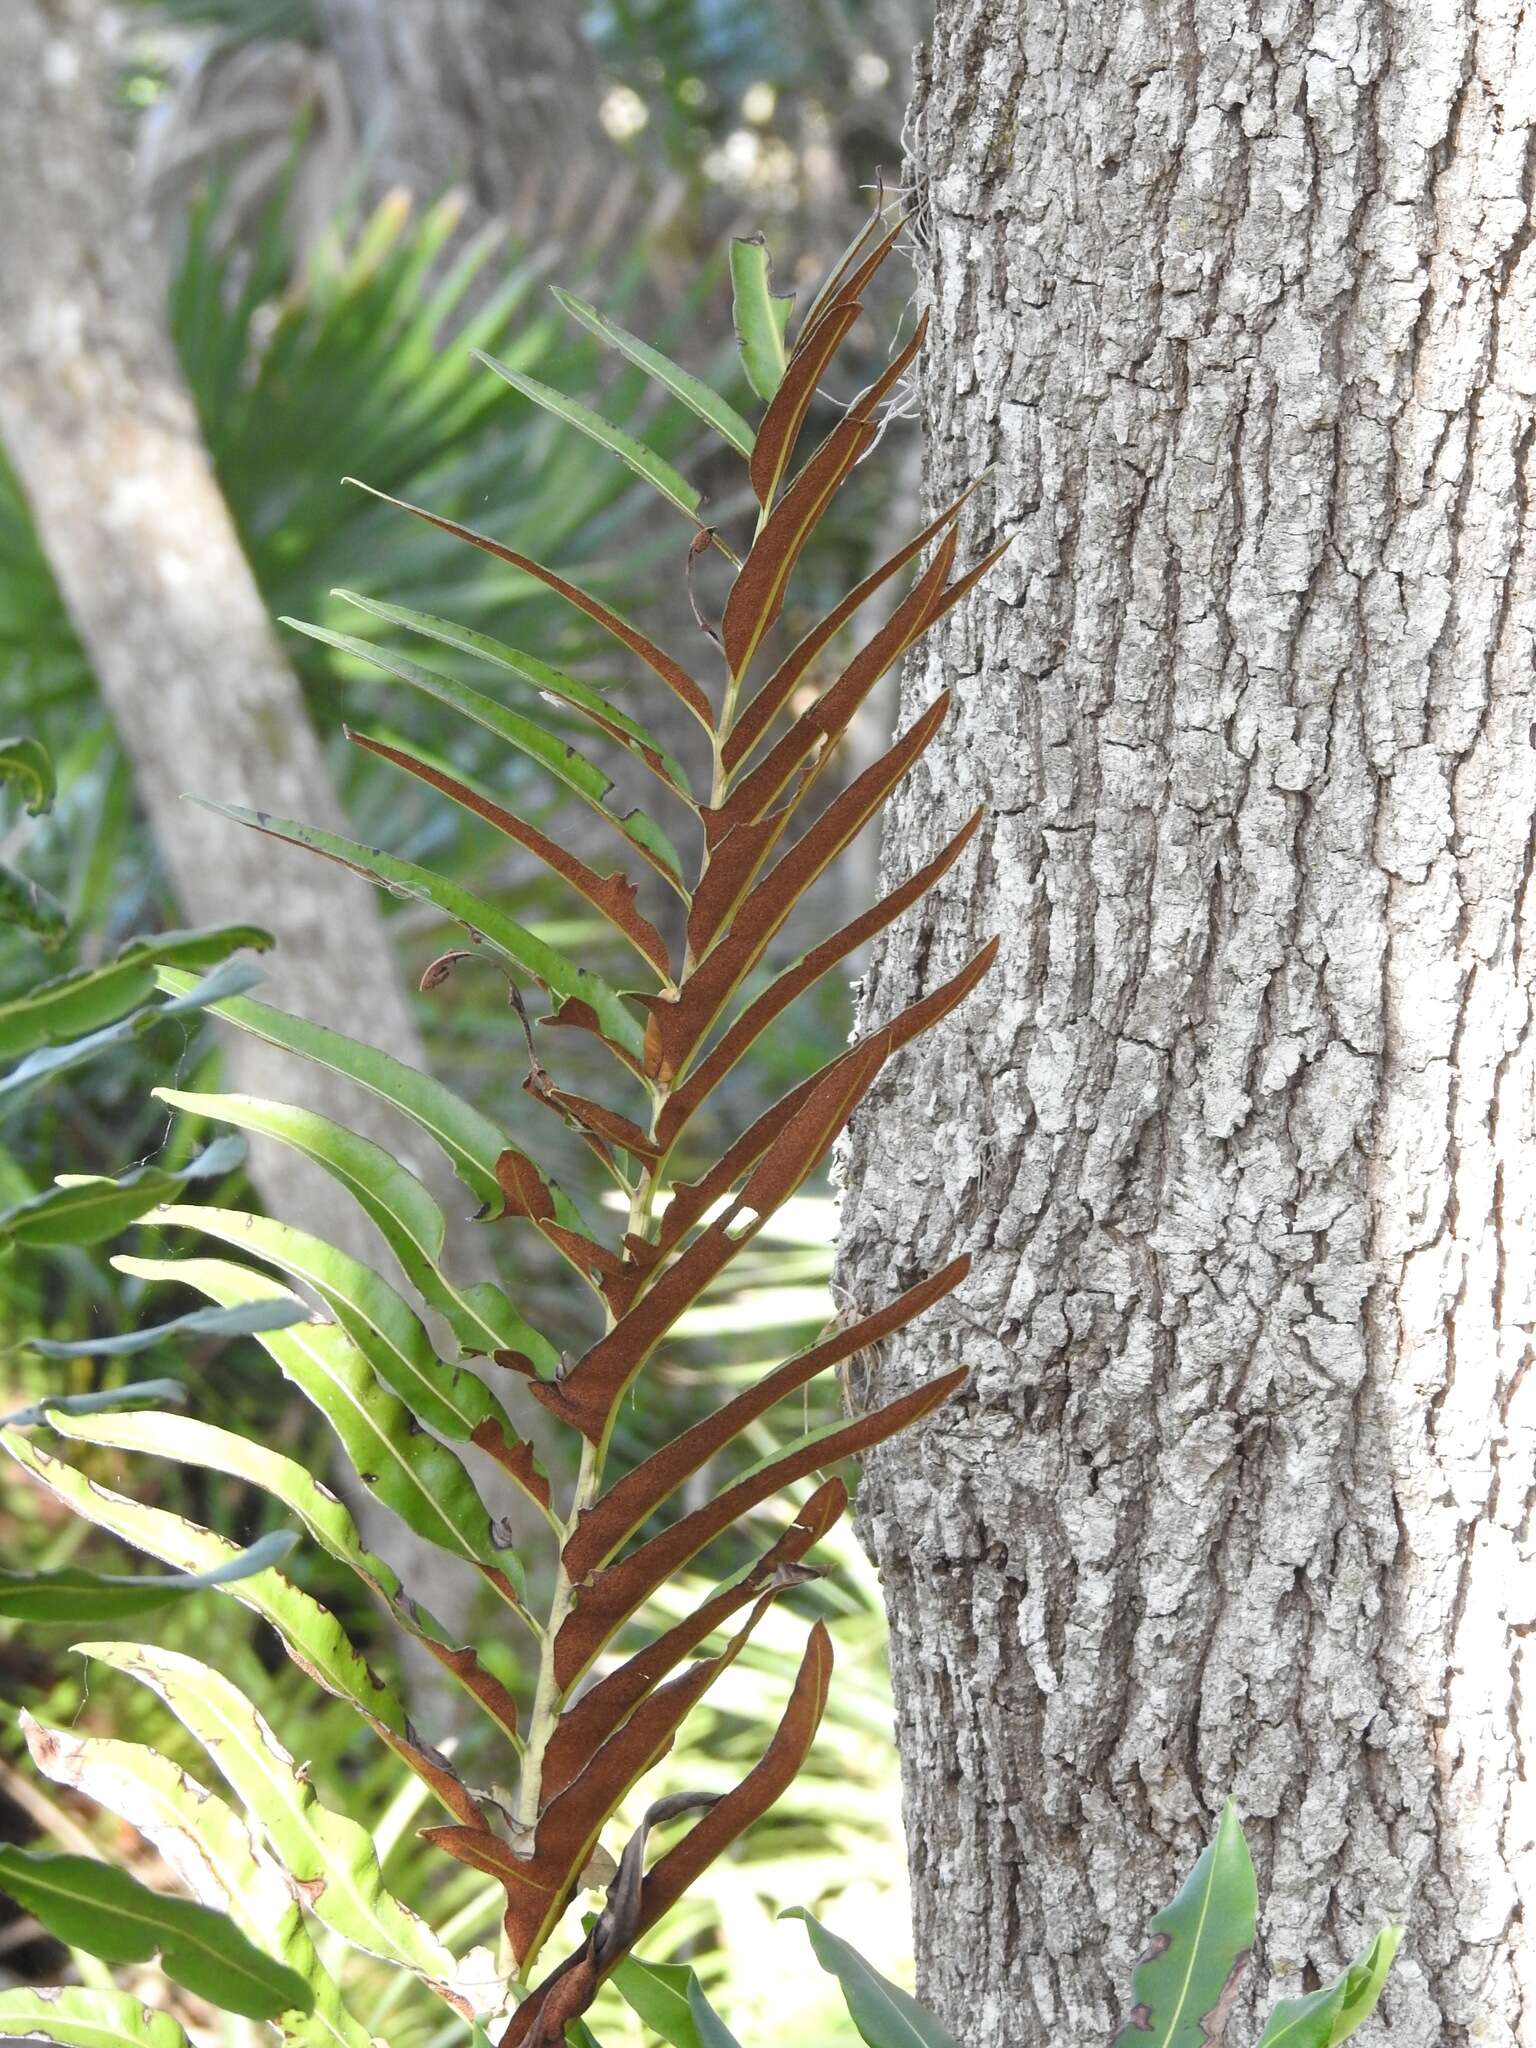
{"type": "Point", "coordinates": [82, 1597]}
{"type": "Point", "coordinates": [885, 2015]}
{"type": "Point", "coordinates": [109, 1914]}
{"type": "Point", "coordinates": [75, 2017]}
{"type": "Point", "coordinates": [1322, 2019]}
{"type": "Point", "coordinates": [26, 762]}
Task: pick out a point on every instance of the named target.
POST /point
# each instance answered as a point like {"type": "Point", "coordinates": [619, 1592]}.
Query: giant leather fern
{"type": "Point", "coordinates": [763, 838]}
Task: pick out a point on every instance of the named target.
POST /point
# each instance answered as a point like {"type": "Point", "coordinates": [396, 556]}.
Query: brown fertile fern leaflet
{"type": "Point", "coordinates": [582, 1748]}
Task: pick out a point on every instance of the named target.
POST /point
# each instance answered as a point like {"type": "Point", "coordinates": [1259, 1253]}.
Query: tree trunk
{"type": "Point", "coordinates": [102, 433]}
{"type": "Point", "coordinates": [1237, 308]}
{"type": "Point", "coordinates": [498, 96]}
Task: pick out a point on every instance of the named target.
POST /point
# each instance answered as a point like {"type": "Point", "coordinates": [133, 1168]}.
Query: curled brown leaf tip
{"type": "Point", "coordinates": [437, 971]}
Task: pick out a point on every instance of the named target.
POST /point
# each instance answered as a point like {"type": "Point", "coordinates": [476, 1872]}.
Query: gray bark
{"type": "Point", "coordinates": [103, 436]}
{"type": "Point", "coordinates": [497, 96]}
{"type": "Point", "coordinates": [1237, 303]}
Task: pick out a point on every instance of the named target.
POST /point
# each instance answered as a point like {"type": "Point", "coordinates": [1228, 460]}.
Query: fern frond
{"type": "Point", "coordinates": [597, 1719]}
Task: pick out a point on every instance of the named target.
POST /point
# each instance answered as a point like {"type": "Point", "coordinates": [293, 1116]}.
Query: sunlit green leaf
{"type": "Point", "coordinates": [390, 1336]}
{"type": "Point", "coordinates": [645, 462]}
{"type": "Point", "coordinates": [327, 1854]}
{"type": "Point", "coordinates": [49, 1062]}
{"type": "Point", "coordinates": [87, 1210]}
{"type": "Point", "coordinates": [314, 1636]}
{"type": "Point", "coordinates": [885, 2015]}
{"type": "Point", "coordinates": [393, 1199]}
{"type": "Point", "coordinates": [1199, 1946]}
{"type": "Point", "coordinates": [211, 1851]}
{"type": "Point", "coordinates": [471, 1141]}
{"type": "Point", "coordinates": [410, 1472]}
{"type": "Point", "coordinates": [705, 403]}
{"type": "Point", "coordinates": [659, 1993]}
{"type": "Point", "coordinates": [74, 2017]}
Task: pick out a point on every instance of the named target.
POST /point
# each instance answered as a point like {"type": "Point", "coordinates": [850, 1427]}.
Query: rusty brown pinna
{"type": "Point", "coordinates": [597, 1721]}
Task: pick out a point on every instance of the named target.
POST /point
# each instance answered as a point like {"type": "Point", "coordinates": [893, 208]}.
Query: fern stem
{"type": "Point", "coordinates": [547, 1697]}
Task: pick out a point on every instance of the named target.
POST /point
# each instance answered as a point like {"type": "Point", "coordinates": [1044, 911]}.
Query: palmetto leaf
{"type": "Point", "coordinates": [109, 1914]}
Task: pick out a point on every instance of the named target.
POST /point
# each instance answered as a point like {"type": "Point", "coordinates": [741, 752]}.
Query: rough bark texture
{"type": "Point", "coordinates": [1238, 302]}
{"type": "Point", "coordinates": [102, 433]}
